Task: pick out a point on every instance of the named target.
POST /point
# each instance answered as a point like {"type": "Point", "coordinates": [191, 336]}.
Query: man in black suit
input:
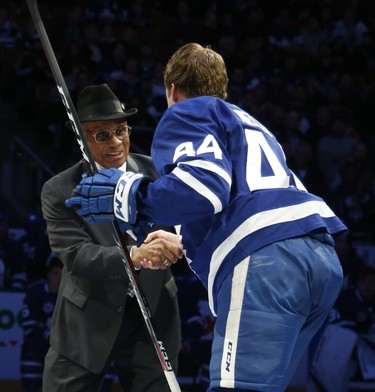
{"type": "Point", "coordinates": [97, 320]}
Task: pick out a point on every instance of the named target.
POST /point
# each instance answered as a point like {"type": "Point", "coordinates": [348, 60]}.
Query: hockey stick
{"type": "Point", "coordinates": [128, 264]}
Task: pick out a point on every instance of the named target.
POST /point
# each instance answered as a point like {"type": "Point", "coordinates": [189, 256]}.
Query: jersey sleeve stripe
{"type": "Point", "coordinates": [211, 167]}
{"type": "Point", "coordinates": [257, 222]}
{"type": "Point", "coordinates": [192, 182]}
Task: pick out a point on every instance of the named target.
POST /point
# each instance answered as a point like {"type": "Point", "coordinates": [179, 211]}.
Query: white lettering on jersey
{"type": "Point", "coordinates": [184, 149]}
{"type": "Point", "coordinates": [208, 146]}
{"type": "Point", "coordinates": [257, 144]}
{"type": "Point", "coordinates": [249, 120]}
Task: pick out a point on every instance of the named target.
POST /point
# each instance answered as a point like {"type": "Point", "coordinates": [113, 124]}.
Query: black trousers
{"type": "Point", "coordinates": [133, 356]}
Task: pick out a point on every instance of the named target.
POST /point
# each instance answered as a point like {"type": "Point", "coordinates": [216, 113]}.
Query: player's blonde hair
{"type": "Point", "coordinates": [195, 71]}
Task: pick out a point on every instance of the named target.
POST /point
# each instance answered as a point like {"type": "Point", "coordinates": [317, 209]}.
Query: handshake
{"type": "Point", "coordinates": [111, 196]}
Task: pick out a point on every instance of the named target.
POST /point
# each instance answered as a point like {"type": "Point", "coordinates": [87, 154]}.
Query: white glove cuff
{"type": "Point", "coordinates": [123, 202]}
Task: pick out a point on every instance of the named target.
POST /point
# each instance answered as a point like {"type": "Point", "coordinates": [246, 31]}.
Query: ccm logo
{"type": "Point", "coordinates": [165, 356]}
{"type": "Point", "coordinates": [119, 211]}
{"type": "Point", "coordinates": [228, 359]}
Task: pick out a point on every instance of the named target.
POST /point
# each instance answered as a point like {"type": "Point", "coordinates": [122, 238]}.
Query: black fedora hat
{"type": "Point", "coordinates": [98, 102]}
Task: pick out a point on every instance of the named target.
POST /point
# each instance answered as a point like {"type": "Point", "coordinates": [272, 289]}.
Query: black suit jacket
{"type": "Point", "coordinates": [92, 294]}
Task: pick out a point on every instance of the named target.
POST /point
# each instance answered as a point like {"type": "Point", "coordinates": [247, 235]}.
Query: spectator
{"type": "Point", "coordinates": [95, 10]}
{"type": "Point", "coordinates": [72, 28]}
{"type": "Point", "coordinates": [354, 201]}
{"type": "Point", "coordinates": [115, 60]}
{"type": "Point", "coordinates": [353, 311]}
{"type": "Point", "coordinates": [92, 39]}
{"type": "Point", "coordinates": [304, 165]}
{"type": "Point", "coordinates": [292, 129]}
{"type": "Point", "coordinates": [39, 303]}
{"type": "Point", "coordinates": [361, 156]}
{"type": "Point", "coordinates": [350, 27]}
{"type": "Point", "coordinates": [8, 254]}
{"type": "Point", "coordinates": [330, 159]}
{"type": "Point", "coordinates": [34, 249]}
{"type": "Point", "coordinates": [350, 261]}
{"type": "Point", "coordinates": [357, 304]}
{"type": "Point", "coordinates": [10, 33]}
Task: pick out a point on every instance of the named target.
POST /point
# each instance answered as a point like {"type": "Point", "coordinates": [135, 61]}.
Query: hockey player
{"type": "Point", "coordinates": [259, 242]}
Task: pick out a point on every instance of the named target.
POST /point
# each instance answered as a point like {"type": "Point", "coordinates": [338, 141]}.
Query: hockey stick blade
{"type": "Point", "coordinates": [128, 265]}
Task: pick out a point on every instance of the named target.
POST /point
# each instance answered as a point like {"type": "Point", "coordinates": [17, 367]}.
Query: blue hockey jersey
{"type": "Point", "coordinates": [225, 182]}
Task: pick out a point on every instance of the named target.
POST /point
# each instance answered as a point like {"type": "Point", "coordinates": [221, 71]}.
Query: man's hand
{"type": "Point", "coordinates": [158, 248]}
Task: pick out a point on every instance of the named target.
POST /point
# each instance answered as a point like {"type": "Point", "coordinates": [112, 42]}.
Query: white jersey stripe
{"type": "Point", "coordinates": [211, 167]}
{"type": "Point", "coordinates": [199, 187]}
{"type": "Point", "coordinates": [228, 360]}
{"type": "Point", "coordinates": [257, 222]}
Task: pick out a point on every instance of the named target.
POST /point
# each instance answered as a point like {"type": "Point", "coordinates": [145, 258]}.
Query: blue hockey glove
{"type": "Point", "coordinates": [93, 196]}
{"type": "Point", "coordinates": [106, 195]}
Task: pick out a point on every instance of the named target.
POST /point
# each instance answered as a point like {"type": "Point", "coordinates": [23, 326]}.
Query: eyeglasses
{"type": "Point", "coordinates": [104, 135]}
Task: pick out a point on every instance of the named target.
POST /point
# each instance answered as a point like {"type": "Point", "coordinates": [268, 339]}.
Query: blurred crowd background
{"type": "Point", "coordinates": [304, 68]}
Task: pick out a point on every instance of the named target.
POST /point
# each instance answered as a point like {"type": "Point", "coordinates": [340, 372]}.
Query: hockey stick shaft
{"type": "Point", "coordinates": [128, 264]}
